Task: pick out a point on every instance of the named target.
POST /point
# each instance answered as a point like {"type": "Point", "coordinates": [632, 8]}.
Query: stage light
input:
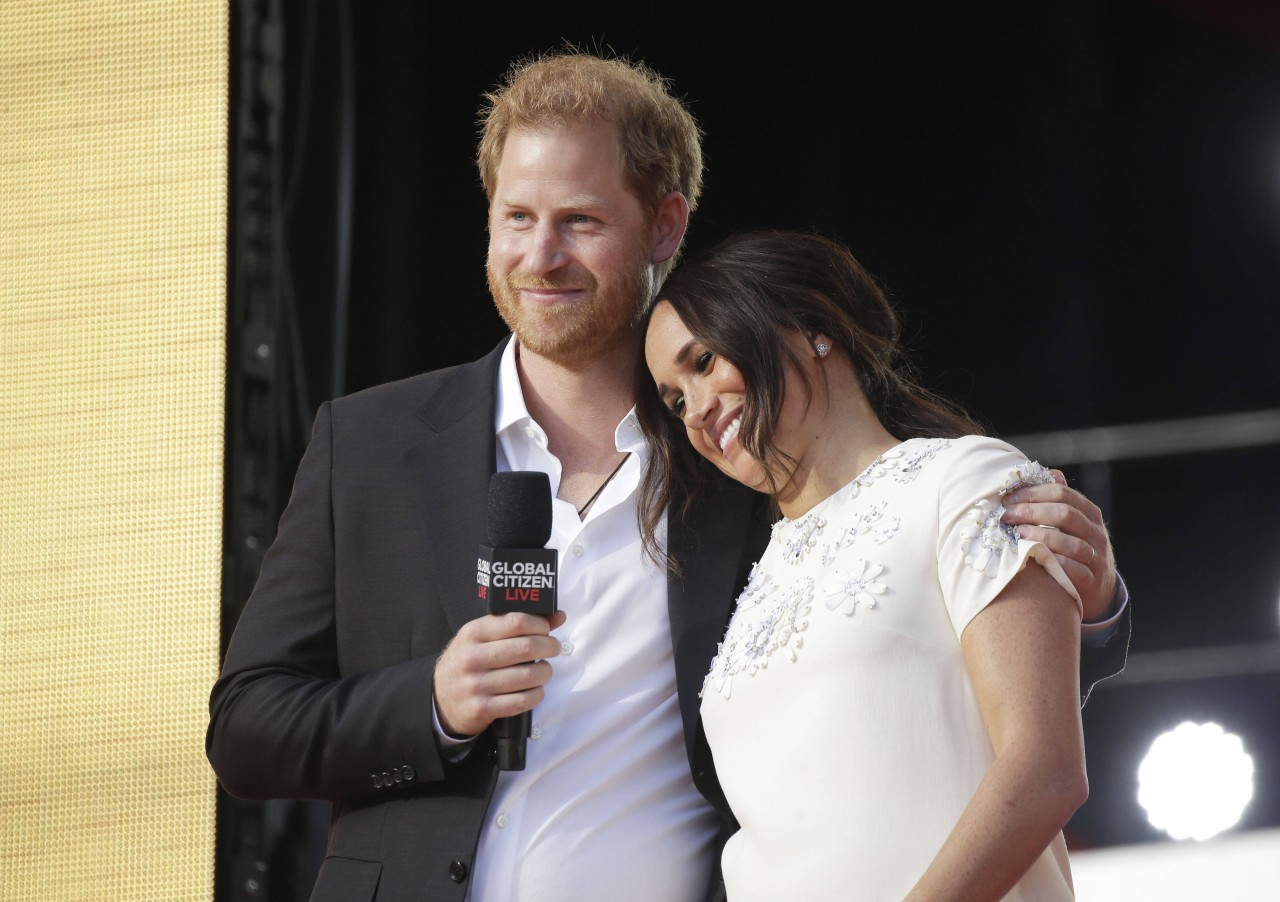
{"type": "Point", "coordinates": [1195, 781]}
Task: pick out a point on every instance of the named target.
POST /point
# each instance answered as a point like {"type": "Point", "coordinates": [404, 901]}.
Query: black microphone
{"type": "Point", "coordinates": [515, 572]}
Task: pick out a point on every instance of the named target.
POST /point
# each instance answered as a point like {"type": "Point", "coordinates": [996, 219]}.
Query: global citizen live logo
{"type": "Point", "coordinates": [517, 579]}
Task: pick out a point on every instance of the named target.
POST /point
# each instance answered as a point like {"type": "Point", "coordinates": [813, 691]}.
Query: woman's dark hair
{"type": "Point", "coordinates": [741, 300]}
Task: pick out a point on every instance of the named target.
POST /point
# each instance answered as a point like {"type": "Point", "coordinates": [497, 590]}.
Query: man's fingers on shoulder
{"type": "Point", "coordinates": [1038, 512]}
{"type": "Point", "coordinates": [1039, 495]}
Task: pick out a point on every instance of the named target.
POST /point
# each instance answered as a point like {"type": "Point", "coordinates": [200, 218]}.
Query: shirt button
{"type": "Point", "coordinates": [531, 432]}
{"type": "Point", "coordinates": [535, 732]}
{"type": "Point", "coordinates": [500, 820]}
{"type": "Point", "coordinates": [566, 648]}
{"type": "Point", "coordinates": [577, 551]}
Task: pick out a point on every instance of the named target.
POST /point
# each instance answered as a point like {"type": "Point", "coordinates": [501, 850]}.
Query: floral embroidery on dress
{"type": "Point", "coordinates": [882, 534]}
{"type": "Point", "coordinates": [859, 522]}
{"type": "Point", "coordinates": [855, 586]}
{"type": "Point", "coordinates": [1029, 472]}
{"type": "Point", "coordinates": [752, 592]}
{"type": "Point", "coordinates": [772, 616]}
{"type": "Point", "coordinates": [804, 535]}
{"type": "Point", "coordinates": [909, 469]}
{"type": "Point", "coordinates": [903, 466]}
{"type": "Point", "coordinates": [747, 647]}
{"type": "Point", "coordinates": [882, 466]}
{"type": "Point", "coordinates": [987, 537]}
{"type": "Point", "coordinates": [863, 523]}
{"type": "Point", "coordinates": [831, 549]}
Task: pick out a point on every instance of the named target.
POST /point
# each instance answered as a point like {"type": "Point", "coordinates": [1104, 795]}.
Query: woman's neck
{"type": "Point", "coordinates": [851, 438]}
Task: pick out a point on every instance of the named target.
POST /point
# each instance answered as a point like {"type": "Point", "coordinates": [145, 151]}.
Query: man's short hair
{"type": "Point", "coordinates": [661, 142]}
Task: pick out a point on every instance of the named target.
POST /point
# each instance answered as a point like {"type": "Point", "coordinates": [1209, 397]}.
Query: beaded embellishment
{"type": "Point", "coordinates": [855, 586]}
{"type": "Point", "coordinates": [987, 536]}
{"type": "Point", "coordinates": [747, 647]}
{"type": "Point", "coordinates": [771, 616]}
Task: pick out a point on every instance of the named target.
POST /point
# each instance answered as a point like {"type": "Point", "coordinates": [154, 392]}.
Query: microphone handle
{"type": "Point", "coordinates": [512, 734]}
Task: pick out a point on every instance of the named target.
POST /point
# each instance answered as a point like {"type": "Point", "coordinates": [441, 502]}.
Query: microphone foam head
{"type": "Point", "coordinates": [519, 509]}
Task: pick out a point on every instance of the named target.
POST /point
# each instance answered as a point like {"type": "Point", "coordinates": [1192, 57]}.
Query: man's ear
{"type": "Point", "coordinates": [669, 223]}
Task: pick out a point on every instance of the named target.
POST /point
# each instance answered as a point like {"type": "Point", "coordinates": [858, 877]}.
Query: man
{"type": "Point", "coordinates": [363, 669]}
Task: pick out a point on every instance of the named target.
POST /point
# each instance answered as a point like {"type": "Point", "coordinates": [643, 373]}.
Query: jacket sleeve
{"type": "Point", "coordinates": [1100, 662]}
{"type": "Point", "coordinates": [285, 720]}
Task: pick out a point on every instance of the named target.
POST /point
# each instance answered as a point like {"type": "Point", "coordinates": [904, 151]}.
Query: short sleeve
{"type": "Point", "coordinates": [977, 553]}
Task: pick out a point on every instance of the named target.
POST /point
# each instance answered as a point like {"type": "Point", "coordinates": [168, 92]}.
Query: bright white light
{"type": "Point", "coordinates": [1196, 781]}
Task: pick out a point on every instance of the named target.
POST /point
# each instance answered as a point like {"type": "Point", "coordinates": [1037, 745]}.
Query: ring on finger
{"type": "Point", "coordinates": [1093, 553]}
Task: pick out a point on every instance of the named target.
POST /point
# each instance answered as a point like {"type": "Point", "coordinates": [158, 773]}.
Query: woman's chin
{"type": "Point", "coordinates": [751, 475]}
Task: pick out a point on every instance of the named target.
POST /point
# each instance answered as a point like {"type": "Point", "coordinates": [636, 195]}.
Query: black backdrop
{"type": "Point", "coordinates": [1076, 207]}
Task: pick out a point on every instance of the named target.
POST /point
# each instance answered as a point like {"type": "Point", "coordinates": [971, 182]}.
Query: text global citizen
{"type": "Point", "coordinates": [515, 575]}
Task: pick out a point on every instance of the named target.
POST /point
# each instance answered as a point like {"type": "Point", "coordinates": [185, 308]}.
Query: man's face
{"type": "Point", "coordinates": [569, 244]}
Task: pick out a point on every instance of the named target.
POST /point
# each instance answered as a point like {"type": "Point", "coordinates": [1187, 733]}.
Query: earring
{"type": "Point", "coordinates": [822, 348]}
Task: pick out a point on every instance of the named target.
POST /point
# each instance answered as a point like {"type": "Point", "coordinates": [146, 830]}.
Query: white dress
{"type": "Point", "coordinates": [845, 729]}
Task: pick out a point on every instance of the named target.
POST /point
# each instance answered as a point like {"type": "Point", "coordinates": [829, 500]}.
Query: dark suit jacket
{"type": "Point", "coordinates": [325, 691]}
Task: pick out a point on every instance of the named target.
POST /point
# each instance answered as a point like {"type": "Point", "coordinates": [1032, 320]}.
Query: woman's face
{"type": "Point", "coordinates": [708, 395]}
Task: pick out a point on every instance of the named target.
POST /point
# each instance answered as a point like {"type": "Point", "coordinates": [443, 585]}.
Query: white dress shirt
{"type": "Point", "coordinates": [606, 807]}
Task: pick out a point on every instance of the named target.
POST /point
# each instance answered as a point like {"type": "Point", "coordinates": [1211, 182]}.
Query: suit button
{"type": "Point", "coordinates": [377, 781]}
{"type": "Point", "coordinates": [409, 774]}
{"type": "Point", "coordinates": [457, 871]}
{"type": "Point", "coordinates": [492, 754]}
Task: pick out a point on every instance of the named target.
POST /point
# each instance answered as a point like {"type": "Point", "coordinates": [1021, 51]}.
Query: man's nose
{"type": "Point", "coordinates": [546, 251]}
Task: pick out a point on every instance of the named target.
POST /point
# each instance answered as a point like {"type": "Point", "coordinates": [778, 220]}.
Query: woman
{"type": "Point", "coordinates": [893, 709]}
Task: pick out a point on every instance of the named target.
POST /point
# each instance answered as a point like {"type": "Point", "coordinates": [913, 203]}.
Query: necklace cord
{"type": "Point", "coordinates": [596, 494]}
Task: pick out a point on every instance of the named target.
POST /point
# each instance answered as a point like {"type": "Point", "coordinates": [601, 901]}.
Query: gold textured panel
{"type": "Point", "coordinates": [113, 193]}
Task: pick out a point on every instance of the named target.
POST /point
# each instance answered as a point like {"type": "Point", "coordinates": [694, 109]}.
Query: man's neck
{"type": "Point", "coordinates": [580, 406]}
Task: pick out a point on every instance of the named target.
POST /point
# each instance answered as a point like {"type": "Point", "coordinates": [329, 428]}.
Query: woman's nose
{"type": "Point", "coordinates": [697, 410]}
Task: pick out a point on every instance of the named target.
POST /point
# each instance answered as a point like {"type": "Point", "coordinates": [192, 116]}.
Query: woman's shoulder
{"type": "Point", "coordinates": [975, 465]}
{"type": "Point", "coordinates": [991, 464]}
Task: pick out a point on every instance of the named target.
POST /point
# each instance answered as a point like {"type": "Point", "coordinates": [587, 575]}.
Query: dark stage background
{"type": "Point", "coordinates": [1076, 207]}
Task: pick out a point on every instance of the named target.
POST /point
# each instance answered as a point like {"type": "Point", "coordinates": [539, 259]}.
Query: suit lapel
{"type": "Point", "coordinates": [725, 534]}
{"type": "Point", "coordinates": [451, 468]}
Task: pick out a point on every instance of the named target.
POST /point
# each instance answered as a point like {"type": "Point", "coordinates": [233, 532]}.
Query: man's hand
{"type": "Point", "coordinates": [1069, 525]}
{"type": "Point", "coordinates": [494, 668]}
